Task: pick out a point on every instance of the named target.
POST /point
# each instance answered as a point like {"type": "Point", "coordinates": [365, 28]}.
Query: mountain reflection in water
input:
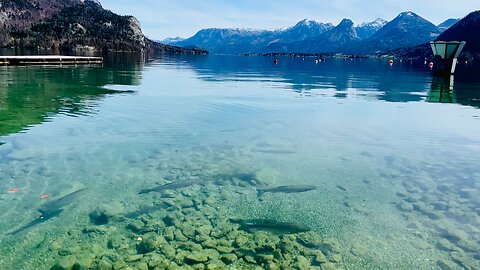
{"type": "Point", "coordinates": [31, 95]}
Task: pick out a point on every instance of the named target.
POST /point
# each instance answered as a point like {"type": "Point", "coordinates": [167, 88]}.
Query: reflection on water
{"type": "Point", "coordinates": [446, 90]}
{"type": "Point", "coordinates": [236, 163]}
{"type": "Point", "coordinates": [30, 95]}
{"type": "Point", "coordinates": [442, 90]}
{"type": "Point", "coordinates": [351, 78]}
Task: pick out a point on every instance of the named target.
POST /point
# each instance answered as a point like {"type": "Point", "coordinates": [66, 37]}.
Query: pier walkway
{"type": "Point", "coordinates": [48, 60]}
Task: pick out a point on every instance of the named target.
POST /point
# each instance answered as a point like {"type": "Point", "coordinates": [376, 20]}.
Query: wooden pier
{"type": "Point", "coordinates": [48, 60]}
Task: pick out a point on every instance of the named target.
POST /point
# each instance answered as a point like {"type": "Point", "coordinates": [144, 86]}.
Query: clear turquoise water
{"type": "Point", "coordinates": [393, 152]}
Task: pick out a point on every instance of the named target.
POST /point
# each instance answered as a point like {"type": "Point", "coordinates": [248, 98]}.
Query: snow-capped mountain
{"type": "Point", "coordinates": [239, 40]}
{"type": "Point", "coordinates": [366, 30]}
{"type": "Point", "coordinates": [171, 40]}
{"type": "Point", "coordinates": [406, 30]}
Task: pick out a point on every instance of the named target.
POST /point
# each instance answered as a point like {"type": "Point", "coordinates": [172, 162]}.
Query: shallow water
{"type": "Point", "coordinates": [393, 152]}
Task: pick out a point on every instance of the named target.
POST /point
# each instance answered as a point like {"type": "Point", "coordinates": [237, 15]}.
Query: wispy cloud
{"type": "Point", "coordinates": [161, 18]}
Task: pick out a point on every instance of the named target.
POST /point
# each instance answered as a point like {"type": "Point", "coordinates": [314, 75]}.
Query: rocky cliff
{"type": "Point", "coordinates": [73, 25]}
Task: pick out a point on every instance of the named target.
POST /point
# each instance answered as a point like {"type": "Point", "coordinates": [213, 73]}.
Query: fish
{"type": "Point", "coordinates": [270, 225]}
{"type": "Point", "coordinates": [286, 189]}
{"type": "Point", "coordinates": [273, 151]}
{"type": "Point", "coordinates": [172, 185]}
{"type": "Point", "coordinates": [55, 205]}
{"type": "Point", "coordinates": [51, 210]}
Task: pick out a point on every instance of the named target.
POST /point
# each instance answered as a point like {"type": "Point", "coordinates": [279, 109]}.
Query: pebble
{"type": "Point", "coordinates": [229, 258]}
{"type": "Point", "coordinates": [310, 239]}
{"type": "Point", "coordinates": [359, 250]}
{"type": "Point", "coordinates": [215, 265]}
{"type": "Point", "coordinates": [64, 263]}
{"type": "Point", "coordinates": [135, 226]}
{"type": "Point", "coordinates": [168, 251]}
{"type": "Point", "coordinates": [224, 249]}
{"type": "Point", "coordinates": [196, 257]}
{"type": "Point", "coordinates": [147, 246]}
{"type": "Point", "coordinates": [331, 246]}
{"type": "Point", "coordinates": [302, 263]}
{"type": "Point", "coordinates": [421, 244]}
{"type": "Point", "coordinates": [103, 264]}
{"type": "Point", "coordinates": [134, 258]}
{"type": "Point", "coordinates": [180, 237]}
{"type": "Point", "coordinates": [119, 264]}
{"type": "Point", "coordinates": [250, 259]}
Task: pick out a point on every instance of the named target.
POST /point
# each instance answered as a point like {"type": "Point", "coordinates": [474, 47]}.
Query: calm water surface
{"type": "Point", "coordinates": [392, 151]}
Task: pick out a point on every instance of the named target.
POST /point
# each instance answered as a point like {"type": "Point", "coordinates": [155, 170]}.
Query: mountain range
{"type": "Point", "coordinates": [466, 29]}
{"type": "Point", "coordinates": [406, 30]}
{"type": "Point", "coordinates": [74, 25]}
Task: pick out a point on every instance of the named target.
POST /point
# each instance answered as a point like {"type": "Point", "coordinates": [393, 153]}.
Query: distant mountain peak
{"type": "Point", "coordinates": [368, 29]}
{"type": "Point", "coordinates": [407, 29]}
{"type": "Point", "coordinates": [408, 14]}
{"type": "Point", "coordinates": [172, 40]}
{"type": "Point", "coordinates": [379, 22]}
{"type": "Point", "coordinates": [447, 24]}
{"type": "Point", "coordinates": [306, 22]}
{"type": "Point", "coordinates": [346, 22]}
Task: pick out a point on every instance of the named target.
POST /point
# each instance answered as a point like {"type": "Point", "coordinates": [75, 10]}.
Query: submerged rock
{"type": "Point", "coordinates": [103, 264]}
{"type": "Point", "coordinates": [302, 263]}
{"type": "Point", "coordinates": [147, 246]}
{"type": "Point", "coordinates": [168, 251]}
{"type": "Point", "coordinates": [421, 244]}
{"type": "Point", "coordinates": [196, 257]}
{"type": "Point", "coordinates": [135, 226]}
{"type": "Point", "coordinates": [215, 265]}
{"type": "Point", "coordinates": [229, 258]}
{"type": "Point", "coordinates": [98, 217]}
{"type": "Point", "coordinates": [359, 250]}
{"type": "Point", "coordinates": [310, 239]}
{"type": "Point", "coordinates": [65, 263]}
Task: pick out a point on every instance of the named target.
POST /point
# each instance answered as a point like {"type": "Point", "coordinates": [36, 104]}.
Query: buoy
{"type": "Point", "coordinates": [430, 65]}
{"type": "Point", "coordinates": [466, 62]}
{"type": "Point", "coordinates": [390, 62]}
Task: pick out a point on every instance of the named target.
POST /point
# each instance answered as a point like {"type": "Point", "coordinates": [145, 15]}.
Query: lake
{"type": "Point", "coordinates": [380, 164]}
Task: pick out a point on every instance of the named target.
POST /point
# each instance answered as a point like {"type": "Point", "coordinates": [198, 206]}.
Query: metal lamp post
{"type": "Point", "coordinates": [446, 54]}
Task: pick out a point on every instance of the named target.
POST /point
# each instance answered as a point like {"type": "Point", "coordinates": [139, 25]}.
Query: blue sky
{"type": "Point", "coordinates": [170, 18]}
